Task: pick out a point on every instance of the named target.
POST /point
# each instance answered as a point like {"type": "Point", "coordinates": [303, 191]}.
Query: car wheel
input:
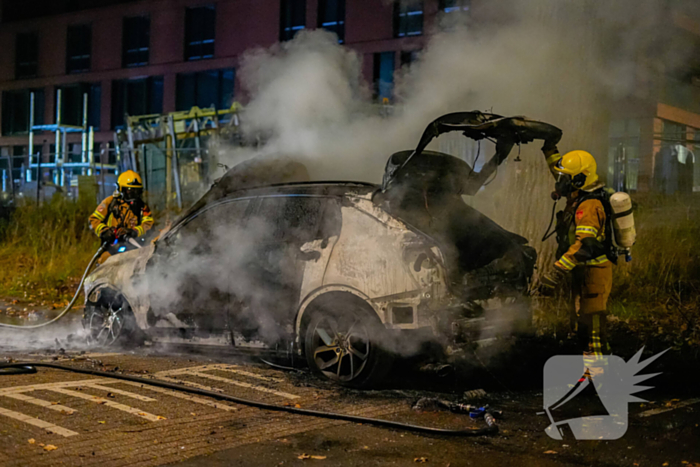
{"type": "Point", "coordinates": [108, 321]}
{"type": "Point", "coordinates": [347, 346]}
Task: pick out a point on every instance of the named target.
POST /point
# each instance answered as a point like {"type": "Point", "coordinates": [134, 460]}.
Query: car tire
{"type": "Point", "coordinates": [347, 345]}
{"type": "Point", "coordinates": [109, 321]}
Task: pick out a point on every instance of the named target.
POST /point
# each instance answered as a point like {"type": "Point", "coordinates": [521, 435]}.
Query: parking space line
{"type": "Point", "coordinates": [40, 402]}
{"type": "Point", "coordinates": [242, 384]}
{"type": "Point", "coordinates": [49, 386]}
{"type": "Point", "coordinates": [50, 427]}
{"type": "Point", "coordinates": [233, 369]}
{"type": "Point", "coordinates": [181, 395]}
{"type": "Point", "coordinates": [108, 403]}
{"type": "Point", "coordinates": [120, 392]}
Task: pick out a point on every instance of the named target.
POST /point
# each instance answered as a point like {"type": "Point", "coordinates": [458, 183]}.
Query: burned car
{"type": "Point", "coordinates": [346, 275]}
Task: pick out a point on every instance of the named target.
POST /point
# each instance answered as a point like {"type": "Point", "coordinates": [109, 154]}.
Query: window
{"type": "Point", "coordinates": [200, 32]}
{"type": "Point", "coordinates": [26, 55]}
{"type": "Point", "coordinates": [623, 154]}
{"type": "Point", "coordinates": [455, 6]}
{"type": "Point", "coordinates": [213, 88]}
{"type": "Point", "coordinates": [408, 18]}
{"type": "Point", "coordinates": [293, 18]}
{"type": "Point", "coordinates": [136, 36]}
{"type": "Point", "coordinates": [15, 110]}
{"type": "Point", "coordinates": [331, 17]}
{"type": "Point", "coordinates": [408, 57]}
{"type": "Point", "coordinates": [221, 221]}
{"type": "Point", "coordinates": [72, 104]}
{"type": "Point", "coordinates": [136, 97]}
{"type": "Point", "coordinates": [383, 75]}
{"type": "Point", "coordinates": [78, 48]}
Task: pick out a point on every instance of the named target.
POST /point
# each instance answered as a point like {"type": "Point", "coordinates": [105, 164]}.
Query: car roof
{"type": "Point", "coordinates": [322, 188]}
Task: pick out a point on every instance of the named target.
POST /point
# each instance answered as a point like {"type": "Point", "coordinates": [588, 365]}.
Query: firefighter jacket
{"type": "Point", "coordinates": [583, 225]}
{"type": "Point", "coordinates": [117, 213]}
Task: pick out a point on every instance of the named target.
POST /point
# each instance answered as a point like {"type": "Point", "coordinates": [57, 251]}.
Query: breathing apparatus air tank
{"type": "Point", "coordinates": [623, 220]}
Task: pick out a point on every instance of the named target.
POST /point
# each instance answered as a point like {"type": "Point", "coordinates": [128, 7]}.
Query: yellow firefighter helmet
{"type": "Point", "coordinates": [581, 166]}
{"type": "Point", "coordinates": [129, 179]}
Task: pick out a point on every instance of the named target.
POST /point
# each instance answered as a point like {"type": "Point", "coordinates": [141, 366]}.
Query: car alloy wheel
{"type": "Point", "coordinates": [341, 347]}
{"type": "Point", "coordinates": [106, 324]}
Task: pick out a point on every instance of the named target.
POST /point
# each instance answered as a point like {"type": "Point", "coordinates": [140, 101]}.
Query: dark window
{"type": "Point", "coordinates": [331, 17]}
{"type": "Point", "coordinates": [72, 104]}
{"type": "Point", "coordinates": [136, 97]}
{"type": "Point", "coordinates": [26, 55]}
{"type": "Point", "coordinates": [78, 48]}
{"type": "Point", "coordinates": [213, 88]}
{"type": "Point", "coordinates": [293, 18]}
{"type": "Point", "coordinates": [408, 18]}
{"type": "Point", "coordinates": [408, 57]}
{"type": "Point", "coordinates": [455, 6]}
{"type": "Point", "coordinates": [219, 221]}
{"type": "Point", "coordinates": [136, 36]}
{"type": "Point", "coordinates": [383, 75]}
{"type": "Point", "coordinates": [199, 32]}
{"type": "Point", "coordinates": [15, 110]}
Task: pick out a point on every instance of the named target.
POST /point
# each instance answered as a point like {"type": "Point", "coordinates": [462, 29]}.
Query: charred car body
{"type": "Point", "coordinates": [345, 274]}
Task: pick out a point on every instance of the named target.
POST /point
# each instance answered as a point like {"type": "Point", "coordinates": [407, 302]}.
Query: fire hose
{"type": "Point", "coordinates": [99, 252]}
{"type": "Point", "coordinates": [30, 367]}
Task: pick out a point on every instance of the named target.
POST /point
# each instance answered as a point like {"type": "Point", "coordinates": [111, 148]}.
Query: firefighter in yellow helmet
{"type": "Point", "coordinates": [584, 244]}
{"type": "Point", "coordinates": [123, 215]}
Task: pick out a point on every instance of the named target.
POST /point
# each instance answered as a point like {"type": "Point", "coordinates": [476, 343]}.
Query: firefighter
{"type": "Point", "coordinates": [123, 215]}
{"type": "Point", "coordinates": [584, 241]}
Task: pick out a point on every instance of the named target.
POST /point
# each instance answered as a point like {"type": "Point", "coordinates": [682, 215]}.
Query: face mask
{"type": "Point", "coordinates": [563, 185]}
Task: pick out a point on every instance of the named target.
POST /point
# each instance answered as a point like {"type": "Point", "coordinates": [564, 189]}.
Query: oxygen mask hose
{"type": "Point", "coordinates": [72, 302]}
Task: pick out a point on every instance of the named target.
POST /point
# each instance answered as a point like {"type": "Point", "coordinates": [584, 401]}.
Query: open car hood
{"type": "Point", "coordinates": [504, 131]}
{"type": "Point", "coordinates": [425, 188]}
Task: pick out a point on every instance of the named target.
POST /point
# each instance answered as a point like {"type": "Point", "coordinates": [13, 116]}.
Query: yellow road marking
{"type": "Point", "coordinates": [108, 403]}
{"type": "Point", "coordinates": [182, 395]}
{"type": "Point", "coordinates": [242, 384]}
{"type": "Point", "coordinates": [40, 402]}
{"type": "Point", "coordinates": [233, 369]}
{"type": "Point", "coordinates": [120, 392]}
{"type": "Point", "coordinates": [50, 427]}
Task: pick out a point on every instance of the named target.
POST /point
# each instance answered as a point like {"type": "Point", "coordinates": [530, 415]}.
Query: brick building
{"type": "Point", "coordinates": [156, 56]}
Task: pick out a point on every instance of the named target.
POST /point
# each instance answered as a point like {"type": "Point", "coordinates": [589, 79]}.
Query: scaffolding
{"type": "Point", "coordinates": [161, 147]}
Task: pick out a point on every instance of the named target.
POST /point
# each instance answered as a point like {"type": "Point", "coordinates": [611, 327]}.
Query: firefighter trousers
{"type": "Point", "coordinates": [591, 289]}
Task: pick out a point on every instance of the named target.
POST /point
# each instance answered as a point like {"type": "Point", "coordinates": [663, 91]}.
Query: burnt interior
{"type": "Point", "coordinates": [428, 196]}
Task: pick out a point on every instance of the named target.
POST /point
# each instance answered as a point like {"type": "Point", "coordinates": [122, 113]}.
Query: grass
{"type": "Point", "coordinates": [44, 249]}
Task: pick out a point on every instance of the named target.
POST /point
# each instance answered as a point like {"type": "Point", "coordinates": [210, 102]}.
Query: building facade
{"type": "Point", "coordinates": [141, 57]}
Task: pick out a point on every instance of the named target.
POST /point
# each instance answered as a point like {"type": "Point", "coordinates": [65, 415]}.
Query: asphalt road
{"type": "Point", "coordinates": [102, 421]}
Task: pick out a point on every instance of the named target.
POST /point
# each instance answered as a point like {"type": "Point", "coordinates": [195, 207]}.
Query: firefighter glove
{"type": "Point", "coordinates": [549, 283]}
{"type": "Point", "coordinates": [125, 234]}
{"type": "Point", "coordinates": [107, 236]}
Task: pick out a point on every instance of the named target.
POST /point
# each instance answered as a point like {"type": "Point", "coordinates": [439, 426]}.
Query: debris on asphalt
{"type": "Point", "coordinates": [31, 441]}
{"type": "Point", "coordinates": [50, 447]}
{"type": "Point", "coordinates": [420, 460]}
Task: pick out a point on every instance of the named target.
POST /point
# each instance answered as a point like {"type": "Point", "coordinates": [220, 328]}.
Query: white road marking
{"type": "Point", "coordinates": [120, 392]}
{"type": "Point", "coordinates": [233, 369]}
{"type": "Point", "coordinates": [651, 412]}
{"type": "Point", "coordinates": [40, 402]}
{"type": "Point", "coordinates": [242, 384]}
{"type": "Point", "coordinates": [182, 395]}
{"type": "Point", "coordinates": [49, 386]}
{"type": "Point", "coordinates": [108, 403]}
{"type": "Point", "coordinates": [50, 427]}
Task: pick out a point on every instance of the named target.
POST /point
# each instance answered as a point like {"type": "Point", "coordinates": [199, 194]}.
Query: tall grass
{"type": "Point", "coordinates": [44, 249]}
